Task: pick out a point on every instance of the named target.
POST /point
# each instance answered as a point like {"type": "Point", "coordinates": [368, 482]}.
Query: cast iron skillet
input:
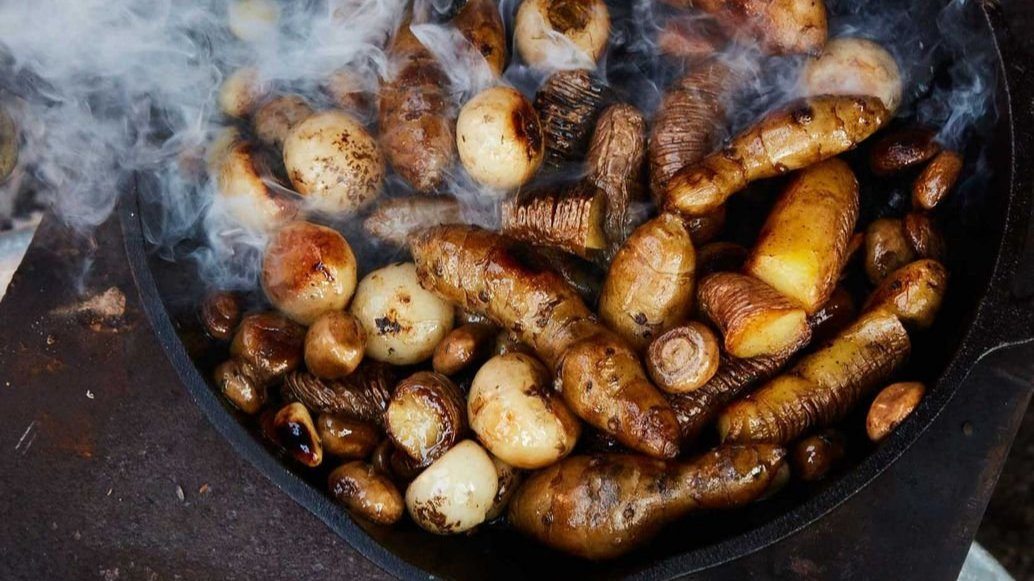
{"type": "Point", "coordinates": [992, 264]}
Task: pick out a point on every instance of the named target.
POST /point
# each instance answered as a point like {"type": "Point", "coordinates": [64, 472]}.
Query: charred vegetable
{"type": "Point", "coordinates": [838, 312]}
{"type": "Point", "coordinates": [568, 104]}
{"type": "Point", "coordinates": [500, 139]}
{"type": "Point", "coordinates": [886, 248]}
{"type": "Point", "coordinates": [426, 416]}
{"type": "Point", "coordinates": [463, 347]}
{"type": "Point", "coordinates": [394, 220]}
{"type": "Point", "coordinates": [456, 492]}
{"type": "Point", "coordinates": [268, 345]}
{"type": "Point", "coordinates": [854, 66]}
{"type": "Point", "coordinates": [237, 385]}
{"type": "Point", "coordinates": [481, 24]}
{"type": "Point", "coordinates": [649, 288]}
{"type": "Point", "coordinates": [241, 178]}
{"type": "Point", "coordinates": [292, 430]}
{"type": "Point", "coordinates": [334, 345]}
{"type": "Point", "coordinates": [562, 506]}
{"type": "Point", "coordinates": [363, 395]}
{"type": "Point", "coordinates": [684, 358]}
{"type": "Point", "coordinates": [902, 149]}
{"type": "Point", "coordinates": [720, 257]}
{"type": "Point", "coordinates": [754, 318]}
{"type": "Point", "coordinates": [220, 314]}
{"type": "Point", "coordinates": [923, 236]}
{"type": "Point", "coordinates": [891, 407]}
{"type": "Point", "coordinates": [937, 180]}
{"type": "Point", "coordinates": [615, 165]}
{"type": "Point", "coordinates": [913, 293]}
{"type": "Point", "coordinates": [346, 437]}
{"type": "Point", "coordinates": [780, 27]}
{"type": "Point", "coordinates": [571, 219]}
{"type": "Point", "coordinates": [561, 33]}
{"type": "Point", "coordinates": [823, 386]}
{"type": "Point", "coordinates": [366, 492]}
{"type": "Point", "coordinates": [800, 134]}
{"type": "Point", "coordinates": [814, 456]}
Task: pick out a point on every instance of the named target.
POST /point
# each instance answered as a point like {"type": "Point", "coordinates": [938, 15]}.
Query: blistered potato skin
{"type": "Point", "coordinates": [604, 505]}
{"type": "Point", "coordinates": [483, 272]}
{"type": "Point", "coordinates": [914, 293]}
{"type": "Point", "coordinates": [650, 285]}
{"type": "Point", "coordinates": [416, 116]}
{"type": "Point", "coordinates": [823, 386]}
{"type": "Point", "coordinates": [800, 134]}
{"type": "Point", "coordinates": [802, 247]}
{"type": "Point", "coordinates": [481, 24]}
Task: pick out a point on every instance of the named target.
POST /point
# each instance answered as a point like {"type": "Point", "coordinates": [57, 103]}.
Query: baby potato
{"type": "Point", "coordinates": [510, 479]}
{"type": "Point", "coordinates": [425, 416]}
{"type": "Point", "coordinates": [404, 323]}
{"type": "Point", "coordinates": [366, 492]}
{"type": "Point", "coordinates": [268, 345]}
{"type": "Point", "coordinates": [253, 20]}
{"type": "Point", "coordinates": [220, 314]}
{"type": "Point", "coordinates": [854, 66]}
{"type": "Point", "coordinates": [913, 292]}
{"type": "Point", "coordinates": [456, 492]}
{"type": "Point", "coordinates": [238, 386]}
{"type": "Point", "coordinates": [886, 248]}
{"type": "Point", "coordinates": [240, 92]}
{"type": "Point", "coordinates": [275, 118]}
{"type": "Point", "coordinates": [891, 407]}
{"type": "Point", "coordinates": [308, 270]}
{"type": "Point", "coordinates": [292, 430]}
{"type": "Point", "coordinates": [334, 163]}
{"type": "Point", "coordinates": [334, 345]}
{"type": "Point", "coordinates": [499, 138]}
{"type": "Point", "coordinates": [242, 188]}
{"type": "Point", "coordinates": [347, 437]}
{"type": "Point", "coordinates": [551, 34]}
{"type": "Point", "coordinates": [517, 415]}
{"type": "Point", "coordinates": [463, 347]}
{"type": "Point", "coordinates": [814, 456]}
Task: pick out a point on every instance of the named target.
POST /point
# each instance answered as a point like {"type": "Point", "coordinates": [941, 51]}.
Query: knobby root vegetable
{"type": "Point", "coordinates": [684, 358]}
{"type": "Point", "coordinates": [753, 318]}
{"type": "Point", "coordinates": [602, 506]}
{"type": "Point", "coordinates": [776, 26]}
{"type": "Point", "coordinates": [615, 165]}
{"type": "Point", "coordinates": [393, 220]}
{"type": "Point", "coordinates": [800, 134]}
{"type": "Point", "coordinates": [570, 219]}
{"type": "Point", "coordinates": [802, 248]}
{"type": "Point", "coordinates": [363, 395]}
{"type": "Point", "coordinates": [649, 287]}
{"type": "Point", "coordinates": [568, 104]}
{"type": "Point", "coordinates": [601, 379]}
{"type": "Point", "coordinates": [823, 387]}
{"type": "Point", "coordinates": [891, 407]}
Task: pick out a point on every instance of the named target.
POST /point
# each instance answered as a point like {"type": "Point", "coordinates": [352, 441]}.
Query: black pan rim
{"type": "Point", "coordinates": [972, 348]}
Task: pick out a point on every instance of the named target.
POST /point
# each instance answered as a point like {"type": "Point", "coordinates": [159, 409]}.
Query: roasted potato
{"type": "Point", "coordinates": [923, 236]}
{"type": "Point", "coordinates": [835, 314]}
{"type": "Point", "coordinates": [416, 115]}
{"type": "Point", "coordinates": [363, 395]}
{"type": "Point", "coordinates": [243, 191]}
{"type": "Point", "coordinates": [334, 163]}
{"type": "Point", "coordinates": [276, 117]}
{"type": "Point", "coordinates": [602, 506]}
{"type": "Point", "coordinates": [516, 414]}
{"type": "Point", "coordinates": [602, 380]}
{"type": "Point", "coordinates": [780, 27]}
{"type": "Point", "coordinates": [802, 247]}
{"type": "Point", "coordinates": [403, 322]}
{"type": "Point", "coordinates": [823, 387]}
{"type": "Point", "coordinates": [220, 314]}
{"type": "Point", "coordinates": [800, 134]}
{"type": "Point", "coordinates": [456, 492]}
{"type": "Point", "coordinates": [688, 124]}
{"type": "Point", "coordinates": [569, 103]}
{"type": "Point", "coordinates": [463, 347]}
{"type": "Point", "coordinates": [552, 34]}
{"type": "Point", "coordinates": [854, 66]}
{"type": "Point", "coordinates": [499, 138]}
{"type": "Point", "coordinates": [334, 345]}
{"type": "Point", "coordinates": [268, 345]}
{"type": "Point", "coordinates": [886, 248]}
{"type": "Point", "coordinates": [683, 358]}
{"type": "Point", "coordinates": [813, 457]}
{"type": "Point", "coordinates": [366, 492]}
{"type": "Point", "coordinates": [615, 165]}
{"type": "Point", "coordinates": [901, 149]}
{"type": "Point", "coordinates": [510, 479]}
{"type": "Point", "coordinates": [426, 416]}
{"type": "Point", "coordinates": [570, 219]}
{"type": "Point", "coordinates": [913, 293]}
{"type": "Point", "coordinates": [253, 20]}
{"type": "Point", "coordinates": [649, 288]}
{"type": "Point", "coordinates": [481, 24]}
{"type": "Point", "coordinates": [292, 429]}
{"type": "Point", "coordinates": [753, 318]}
{"type": "Point", "coordinates": [237, 385]}
{"type": "Point", "coordinates": [240, 92]}
{"type": "Point", "coordinates": [345, 437]}
{"type": "Point", "coordinates": [937, 180]}
{"type": "Point", "coordinates": [891, 407]}
{"type": "Point", "coordinates": [584, 277]}
{"type": "Point", "coordinates": [308, 270]}
{"type": "Point", "coordinates": [393, 220]}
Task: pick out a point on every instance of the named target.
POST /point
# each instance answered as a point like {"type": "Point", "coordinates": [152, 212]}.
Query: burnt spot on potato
{"type": "Point", "coordinates": [569, 15]}
{"type": "Point", "coordinates": [527, 129]}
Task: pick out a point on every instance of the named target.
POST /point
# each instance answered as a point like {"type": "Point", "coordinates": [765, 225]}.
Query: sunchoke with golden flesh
{"type": "Point", "coordinates": [800, 134]}
{"type": "Point", "coordinates": [601, 378]}
{"type": "Point", "coordinates": [570, 219]}
{"type": "Point", "coordinates": [754, 318]}
{"type": "Point", "coordinates": [649, 287]}
{"type": "Point", "coordinates": [603, 506]}
{"type": "Point", "coordinates": [823, 386]}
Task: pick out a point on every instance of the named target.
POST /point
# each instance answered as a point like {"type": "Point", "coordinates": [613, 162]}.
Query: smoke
{"type": "Point", "coordinates": [115, 94]}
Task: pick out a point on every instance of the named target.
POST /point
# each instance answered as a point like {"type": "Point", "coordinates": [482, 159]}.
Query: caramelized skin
{"type": "Point", "coordinates": [485, 273]}
{"type": "Point", "coordinates": [903, 149]}
{"type": "Point", "coordinates": [416, 117]}
{"type": "Point", "coordinates": [822, 387]}
{"type": "Point", "coordinates": [615, 165]}
{"type": "Point", "coordinates": [568, 104]}
{"type": "Point", "coordinates": [395, 219]}
{"type": "Point", "coordinates": [804, 132]}
{"type": "Point", "coordinates": [481, 24]}
{"type": "Point", "coordinates": [777, 26]}
{"type": "Point", "coordinates": [602, 506]}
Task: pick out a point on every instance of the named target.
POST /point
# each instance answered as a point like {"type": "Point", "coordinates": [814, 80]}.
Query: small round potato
{"type": "Point", "coordinates": [854, 66]}
{"type": "Point", "coordinates": [517, 415]}
{"type": "Point", "coordinates": [276, 117]}
{"type": "Point", "coordinates": [456, 492]}
{"type": "Point", "coordinates": [243, 191]}
{"type": "Point", "coordinates": [220, 314]}
{"type": "Point", "coordinates": [426, 416]}
{"type": "Point", "coordinates": [554, 34]}
{"type": "Point", "coordinates": [240, 92]}
{"type": "Point", "coordinates": [509, 479]}
{"type": "Point", "coordinates": [268, 345]}
{"type": "Point", "coordinates": [293, 430]}
{"type": "Point", "coordinates": [237, 386]}
{"type": "Point", "coordinates": [253, 20]}
{"type": "Point", "coordinates": [499, 138]}
{"type": "Point", "coordinates": [366, 492]}
{"type": "Point", "coordinates": [403, 322]}
{"type": "Point", "coordinates": [334, 162]}
{"type": "Point", "coordinates": [334, 345]}
{"type": "Point", "coordinates": [891, 407]}
{"type": "Point", "coordinates": [308, 270]}
{"type": "Point", "coordinates": [886, 248]}
{"type": "Point", "coordinates": [346, 437]}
